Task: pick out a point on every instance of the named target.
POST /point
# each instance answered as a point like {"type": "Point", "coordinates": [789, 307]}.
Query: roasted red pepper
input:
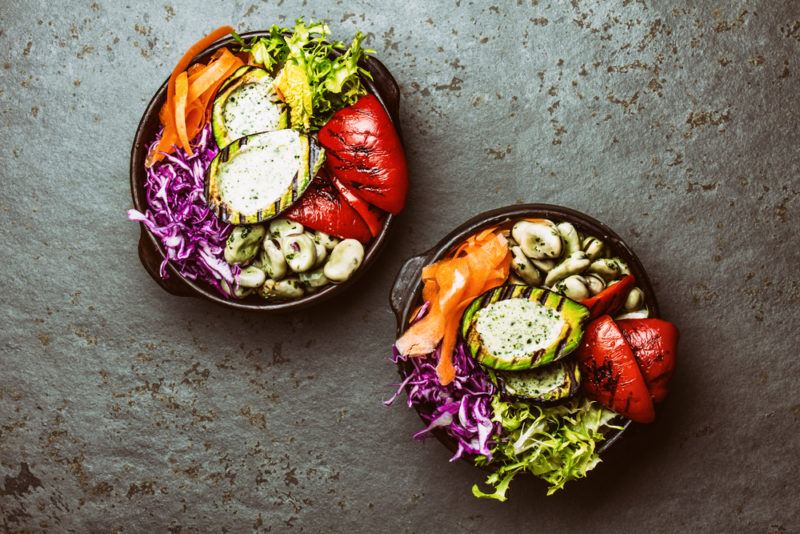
{"type": "Point", "coordinates": [654, 344]}
{"type": "Point", "coordinates": [323, 208]}
{"type": "Point", "coordinates": [610, 374]}
{"type": "Point", "coordinates": [364, 151]}
{"type": "Point", "coordinates": [611, 299]}
{"type": "Point", "coordinates": [372, 216]}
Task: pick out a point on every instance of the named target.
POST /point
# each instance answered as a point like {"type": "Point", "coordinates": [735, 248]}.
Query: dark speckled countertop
{"type": "Point", "coordinates": [124, 409]}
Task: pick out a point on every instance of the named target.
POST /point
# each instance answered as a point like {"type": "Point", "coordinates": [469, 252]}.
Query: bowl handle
{"type": "Point", "coordinates": [403, 284]}
{"type": "Point", "coordinates": [151, 259]}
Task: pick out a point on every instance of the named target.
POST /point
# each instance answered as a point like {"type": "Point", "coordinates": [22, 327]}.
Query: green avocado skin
{"type": "Point", "coordinates": [574, 314]}
{"type": "Point", "coordinates": [550, 383]}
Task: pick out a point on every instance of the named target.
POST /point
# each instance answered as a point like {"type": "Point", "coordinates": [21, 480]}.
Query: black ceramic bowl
{"type": "Point", "coordinates": [151, 252]}
{"type": "Point", "coordinates": [406, 293]}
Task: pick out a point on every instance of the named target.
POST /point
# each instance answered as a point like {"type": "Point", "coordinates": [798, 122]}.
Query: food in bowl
{"type": "Point", "coordinates": [274, 168]}
{"type": "Point", "coordinates": [531, 345]}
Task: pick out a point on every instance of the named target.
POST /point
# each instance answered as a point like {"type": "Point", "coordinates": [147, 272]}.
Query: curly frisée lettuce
{"type": "Point", "coordinates": [314, 81]}
{"type": "Point", "coordinates": [557, 443]}
{"type": "Point", "coordinates": [554, 443]}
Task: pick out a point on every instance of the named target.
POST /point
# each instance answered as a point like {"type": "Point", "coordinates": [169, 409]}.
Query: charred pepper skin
{"type": "Point", "coordinates": [372, 216]}
{"type": "Point", "coordinates": [323, 208]}
{"type": "Point", "coordinates": [610, 373]}
{"type": "Point", "coordinates": [654, 343]}
{"type": "Point", "coordinates": [364, 151]}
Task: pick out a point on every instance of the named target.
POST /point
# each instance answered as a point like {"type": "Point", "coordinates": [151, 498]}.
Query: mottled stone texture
{"type": "Point", "coordinates": [125, 409]}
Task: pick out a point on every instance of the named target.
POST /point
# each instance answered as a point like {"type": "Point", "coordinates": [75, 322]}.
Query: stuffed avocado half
{"type": "Point", "coordinates": [550, 383]}
{"type": "Point", "coordinates": [517, 327]}
{"type": "Point", "coordinates": [256, 177]}
{"type": "Point", "coordinates": [247, 104]}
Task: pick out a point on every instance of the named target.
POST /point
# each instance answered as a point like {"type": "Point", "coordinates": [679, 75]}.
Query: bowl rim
{"type": "Point", "coordinates": [151, 250]}
{"type": "Point", "coordinates": [406, 291]}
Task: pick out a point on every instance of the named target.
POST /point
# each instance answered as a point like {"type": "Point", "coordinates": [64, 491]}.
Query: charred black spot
{"type": "Point", "coordinates": [337, 136]}
{"type": "Point", "coordinates": [603, 377]}
{"type": "Point", "coordinates": [364, 169]}
{"type": "Point", "coordinates": [359, 186]}
{"type": "Point", "coordinates": [360, 150]}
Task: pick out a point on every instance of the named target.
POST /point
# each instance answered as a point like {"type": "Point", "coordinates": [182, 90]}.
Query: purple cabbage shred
{"type": "Point", "coordinates": [463, 408]}
{"type": "Point", "coordinates": [191, 234]}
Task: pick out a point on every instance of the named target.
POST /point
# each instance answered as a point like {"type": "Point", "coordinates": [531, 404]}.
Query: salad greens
{"type": "Point", "coordinates": [315, 82]}
{"type": "Point", "coordinates": [555, 443]}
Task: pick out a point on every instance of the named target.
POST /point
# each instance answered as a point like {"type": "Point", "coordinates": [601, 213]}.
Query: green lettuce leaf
{"type": "Point", "coordinates": [334, 82]}
{"type": "Point", "coordinates": [555, 443]}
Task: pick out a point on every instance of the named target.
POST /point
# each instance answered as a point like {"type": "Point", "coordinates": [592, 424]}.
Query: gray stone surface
{"type": "Point", "coordinates": [125, 409]}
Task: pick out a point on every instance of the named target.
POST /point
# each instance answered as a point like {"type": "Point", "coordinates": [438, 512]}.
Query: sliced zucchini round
{"type": "Point", "coordinates": [246, 104]}
{"type": "Point", "coordinates": [255, 178]}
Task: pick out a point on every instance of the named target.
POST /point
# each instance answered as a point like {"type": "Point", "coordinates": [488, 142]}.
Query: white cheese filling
{"type": "Point", "coordinates": [518, 327]}
{"type": "Point", "coordinates": [261, 171]}
{"type": "Point", "coordinates": [250, 109]}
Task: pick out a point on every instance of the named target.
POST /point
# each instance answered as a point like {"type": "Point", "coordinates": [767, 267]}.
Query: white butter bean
{"type": "Point", "coordinates": [523, 267]}
{"type": "Point", "coordinates": [299, 251]}
{"type": "Point", "coordinates": [345, 258]}
{"type": "Point", "coordinates": [570, 238]}
{"type": "Point", "coordinates": [242, 245]}
{"type": "Point", "coordinates": [251, 277]}
{"type": "Point", "coordinates": [538, 238]}
{"type": "Point", "coordinates": [574, 264]}
{"type": "Point", "coordinates": [272, 260]}
{"type": "Point", "coordinates": [279, 228]}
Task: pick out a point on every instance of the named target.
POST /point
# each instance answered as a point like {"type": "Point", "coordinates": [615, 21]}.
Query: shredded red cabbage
{"type": "Point", "coordinates": [177, 214]}
{"type": "Point", "coordinates": [463, 408]}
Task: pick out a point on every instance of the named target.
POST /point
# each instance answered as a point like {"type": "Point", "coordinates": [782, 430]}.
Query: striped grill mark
{"type": "Point", "coordinates": [506, 292]}
{"type": "Point", "coordinates": [300, 181]}
{"type": "Point", "coordinates": [494, 296]}
{"type": "Point", "coordinates": [564, 339]}
{"type": "Point", "coordinates": [314, 155]}
{"type": "Point", "coordinates": [296, 186]}
{"type": "Point", "coordinates": [561, 302]}
{"type": "Point", "coordinates": [541, 297]}
{"type": "Point", "coordinates": [526, 293]}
